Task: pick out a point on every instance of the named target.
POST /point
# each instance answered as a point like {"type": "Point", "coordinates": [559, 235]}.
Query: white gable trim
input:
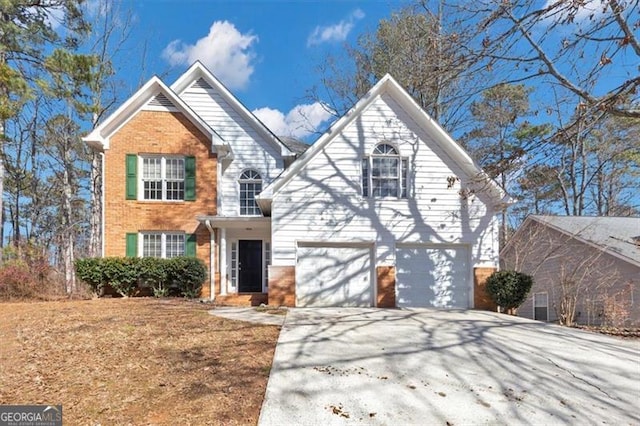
{"type": "Point", "coordinates": [99, 137]}
{"type": "Point", "coordinates": [390, 86]}
{"type": "Point", "coordinates": [198, 71]}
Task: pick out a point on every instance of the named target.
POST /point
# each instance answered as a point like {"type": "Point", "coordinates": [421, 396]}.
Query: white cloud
{"type": "Point", "coordinates": [300, 122]}
{"type": "Point", "coordinates": [225, 51]}
{"type": "Point", "coordinates": [336, 32]}
{"type": "Point", "coordinates": [589, 9]}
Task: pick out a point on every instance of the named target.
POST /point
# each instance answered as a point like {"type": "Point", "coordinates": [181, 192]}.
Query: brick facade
{"type": "Point", "coordinates": [481, 299]}
{"type": "Point", "coordinates": [282, 286]}
{"type": "Point", "coordinates": [386, 286]}
{"type": "Point", "coordinates": [156, 132]}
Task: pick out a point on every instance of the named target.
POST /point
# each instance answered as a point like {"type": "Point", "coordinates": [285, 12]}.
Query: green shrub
{"type": "Point", "coordinates": [152, 272]}
{"type": "Point", "coordinates": [186, 275]}
{"type": "Point", "coordinates": [182, 276]}
{"type": "Point", "coordinates": [90, 271]}
{"type": "Point", "coordinates": [509, 289]}
{"type": "Point", "coordinates": [121, 273]}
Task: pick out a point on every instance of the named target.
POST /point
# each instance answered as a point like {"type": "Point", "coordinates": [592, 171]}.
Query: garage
{"type": "Point", "coordinates": [432, 276]}
{"type": "Point", "coordinates": [333, 275]}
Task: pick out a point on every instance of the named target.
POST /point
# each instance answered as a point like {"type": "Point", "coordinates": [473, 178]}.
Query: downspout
{"type": "Point", "coordinates": [212, 258]}
{"type": "Point", "coordinates": [103, 207]}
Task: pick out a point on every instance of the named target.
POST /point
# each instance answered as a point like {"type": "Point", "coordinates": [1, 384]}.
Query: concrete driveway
{"type": "Point", "coordinates": [391, 367]}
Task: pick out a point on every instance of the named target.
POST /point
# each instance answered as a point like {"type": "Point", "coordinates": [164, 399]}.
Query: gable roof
{"type": "Point", "coordinates": [390, 86]}
{"type": "Point", "coordinates": [617, 236]}
{"type": "Point", "coordinates": [296, 146]}
{"type": "Point", "coordinates": [153, 90]}
{"type": "Point", "coordinates": [198, 71]}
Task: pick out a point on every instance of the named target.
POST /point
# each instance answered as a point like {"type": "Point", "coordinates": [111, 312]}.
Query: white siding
{"type": "Point", "coordinates": [249, 148]}
{"type": "Point", "coordinates": [324, 203]}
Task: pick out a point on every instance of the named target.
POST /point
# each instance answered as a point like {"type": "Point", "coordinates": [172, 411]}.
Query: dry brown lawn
{"type": "Point", "coordinates": [134, 361]}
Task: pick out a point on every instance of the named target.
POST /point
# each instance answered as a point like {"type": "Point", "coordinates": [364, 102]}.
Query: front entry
{"type": "Point", "coordinates": [250, 266]}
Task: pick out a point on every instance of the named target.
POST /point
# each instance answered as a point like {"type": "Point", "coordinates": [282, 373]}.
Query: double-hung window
{"type": "Point", "coordinates": [163, 178]}
{"type": "Point", "coordinates": [163, 244]}
{"type": "Point", "coordinates": [384, 173]}
{"type": "Point", "coordinates": [250, 186]}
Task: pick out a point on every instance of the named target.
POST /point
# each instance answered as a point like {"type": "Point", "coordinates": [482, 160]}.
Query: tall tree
{"type": "Point", "coordinates": [503, 137]}
{"type": "Point", "coordinates": [112, 27]}
{"type": "Point", "coordinates": [419, 48]}
{"type": "Point", "coordinates": [588, 168]}
{"type": "Point", "coordinates": [588, 48]}
{"type": "Point", "coordinates": [27, 36]}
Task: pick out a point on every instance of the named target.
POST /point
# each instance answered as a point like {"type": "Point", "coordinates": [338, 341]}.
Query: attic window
{"type": "Point", "coordinates": [201, 84]}
{"type": "Point", "coordinates": [160, 100]}
{"type": "Point", "coordinates": [384, 173]}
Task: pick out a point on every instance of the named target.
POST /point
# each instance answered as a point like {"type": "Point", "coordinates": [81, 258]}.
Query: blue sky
{"type": "Point", "coordinates": [266, 52]}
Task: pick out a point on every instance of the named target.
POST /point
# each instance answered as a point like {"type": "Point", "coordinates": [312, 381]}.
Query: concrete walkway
{"type": "Point", "coordinates": [248, 314]}
{"type": "Point", "coordinates": [386, 367]}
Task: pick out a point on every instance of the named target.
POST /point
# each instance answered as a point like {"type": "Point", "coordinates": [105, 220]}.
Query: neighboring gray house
{"type": "Point", "coordinates": [585, 268]}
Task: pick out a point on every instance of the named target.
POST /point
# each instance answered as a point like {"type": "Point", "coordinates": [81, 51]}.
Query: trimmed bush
{"type": "Point", "coordinates": [509, 289]}
{"type": "Point", "coordinates": [153, 273]}
{"type": "Point", "coordinates": [186, 274]}
{"type": "Point", "coordinates": [180, 276]}
{"type": "Point", "coordinates": [89, 270]}
{"type": "Point", "coordinates": [122, 274]}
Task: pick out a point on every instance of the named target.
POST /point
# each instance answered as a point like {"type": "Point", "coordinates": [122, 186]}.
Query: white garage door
{"type": "Point", "coordinates": [333, 276]}
{"type": "Point", "coordinates": [432, 277]}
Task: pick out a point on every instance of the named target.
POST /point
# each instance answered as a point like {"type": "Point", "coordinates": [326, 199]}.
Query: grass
{"type": "Point", "coordinates": [134, 361]}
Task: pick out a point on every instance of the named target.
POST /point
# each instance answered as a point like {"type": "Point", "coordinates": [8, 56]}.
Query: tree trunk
{"type": "Point", "coordinates": [67, 232]}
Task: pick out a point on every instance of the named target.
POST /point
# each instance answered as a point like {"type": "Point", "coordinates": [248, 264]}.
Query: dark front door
{"type": "Point", "coordinates": [250, 266]}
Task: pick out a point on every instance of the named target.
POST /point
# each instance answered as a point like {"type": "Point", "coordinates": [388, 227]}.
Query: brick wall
{"type": "Point", "coordinates": [386, 282]}
{"type": "Point", "coordinates": [282, 285]}
{"type": "Point", "coordinates": [481, 299]}
{"type": "Point", "coordinates": [156, 132]}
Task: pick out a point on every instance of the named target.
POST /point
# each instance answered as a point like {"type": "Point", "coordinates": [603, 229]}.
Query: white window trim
{"type": "Point", "coordinates": [240, 182]}
{"type": "Point", "coordinates": [534, 304]}
{"type": "Point", "coordinates": [163, 176]}
{"type": "Point", "coordinates": [266, 261]}
{"type": "Point", "coordinates": [369, 159]}
{"type": "Point", "coordinates": [163, 244]}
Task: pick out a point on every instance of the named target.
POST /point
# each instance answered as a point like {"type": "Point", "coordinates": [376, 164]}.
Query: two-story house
{"type": "Point", "coordinates": [385, 209]}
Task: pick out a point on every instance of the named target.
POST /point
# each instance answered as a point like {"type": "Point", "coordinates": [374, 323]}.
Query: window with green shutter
{"type": "Point", "coordinates": [132, 245]}
{"type": "Point", "coordinates": [132, 176]}
{"type": "Point", "coordinates": [190, 178]}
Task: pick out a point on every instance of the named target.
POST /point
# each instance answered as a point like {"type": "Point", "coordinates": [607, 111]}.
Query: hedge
{"type": "Point", "coordinates": [183, 276]}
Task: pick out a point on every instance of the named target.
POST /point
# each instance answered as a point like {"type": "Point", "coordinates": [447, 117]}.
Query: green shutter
{"type": "Point", "coordinates": [132, 244]}
{"type": "Point", "coordinates": [132, 178]}
{"type": "Point", "coordinates": [190, 245]}
{"type": "Point", "coordinates": [190, 178]}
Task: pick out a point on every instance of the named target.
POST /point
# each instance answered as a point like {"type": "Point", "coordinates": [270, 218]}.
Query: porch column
{"type": "Point", "coordinates": [223, 261]}
{"type": "Point", "coordinates": [212, 259]}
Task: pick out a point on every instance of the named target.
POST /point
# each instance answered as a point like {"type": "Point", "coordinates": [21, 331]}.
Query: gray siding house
{"type": "Point", "coordinates": [587, 268]}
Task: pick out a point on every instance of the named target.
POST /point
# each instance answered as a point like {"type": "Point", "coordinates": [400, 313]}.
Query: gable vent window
{"type": "Point", "coordinates": [160, 100]}
{"type": "Point", "coordinates": [201, 84]}
{"type": "Point", "coordinates": [250, 186]}
{"type": "Point", "coordinates": [384, 173]}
